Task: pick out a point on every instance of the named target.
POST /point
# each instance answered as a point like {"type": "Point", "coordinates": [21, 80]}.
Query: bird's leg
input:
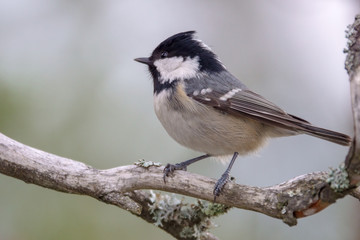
{"type": "Point", "coordinates": [224, 178]}
{"type": "Point", "coordinates": [170, 168]}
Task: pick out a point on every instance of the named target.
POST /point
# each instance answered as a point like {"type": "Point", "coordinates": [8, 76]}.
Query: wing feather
{"type": "Point", "coordinates": [252, 105]}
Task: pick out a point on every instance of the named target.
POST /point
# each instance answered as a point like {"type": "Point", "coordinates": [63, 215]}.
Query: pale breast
{"type": "Point", "coordinates": [205, 129]}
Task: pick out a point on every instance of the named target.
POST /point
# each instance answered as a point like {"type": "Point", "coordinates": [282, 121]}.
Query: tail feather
{"type": "Point", "coordinates": [328, 135]}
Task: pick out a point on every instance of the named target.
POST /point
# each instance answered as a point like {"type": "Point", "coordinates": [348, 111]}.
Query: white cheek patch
{"type": "Point", "coordinates": [177, 68]}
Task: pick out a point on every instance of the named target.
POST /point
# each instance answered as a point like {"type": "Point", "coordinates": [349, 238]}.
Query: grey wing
{"type": "Point", "coordinates": [234, 98]}
{"type": "Point", "coordinates": [250, 104]}
{"type": "Point", "coordinates": [226, 93]}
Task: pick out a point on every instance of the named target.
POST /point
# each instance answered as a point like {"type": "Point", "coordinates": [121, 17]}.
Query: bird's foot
{"type": "Point", "coordinates": [170, 169]}
{"type": "Point", "coordinates": [220, 184]}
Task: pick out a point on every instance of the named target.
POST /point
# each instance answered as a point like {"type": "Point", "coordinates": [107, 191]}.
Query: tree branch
{"type": "Point", "coordinates": [122, 186]}
{"type": "Point", "coordinates": [117, 186]}
{"type": "Point", "coordinates": [352, 65]}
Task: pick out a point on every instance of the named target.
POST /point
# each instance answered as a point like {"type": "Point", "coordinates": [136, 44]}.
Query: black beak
{"type": "Point", "coordinates": [145, 60]}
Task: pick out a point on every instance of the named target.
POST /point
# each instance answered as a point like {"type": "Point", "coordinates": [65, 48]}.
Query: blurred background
{"type": "Point", "coordinates": [69, 86]}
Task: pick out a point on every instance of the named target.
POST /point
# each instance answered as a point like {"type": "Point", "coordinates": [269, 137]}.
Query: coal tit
{"type": "Point", "coordinates": [204, 107]}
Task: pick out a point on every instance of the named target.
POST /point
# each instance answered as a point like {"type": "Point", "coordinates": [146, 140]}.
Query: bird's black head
{"type": "Point", "coordinates": [179, 57]}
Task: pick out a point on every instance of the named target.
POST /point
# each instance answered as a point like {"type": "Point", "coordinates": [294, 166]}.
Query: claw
{"type": "Point", "coordinates": [220, 185]}
{"type": "Point", "coordinates": [170, 169]}
{"type": "Point", "coordinates": [224, 178]}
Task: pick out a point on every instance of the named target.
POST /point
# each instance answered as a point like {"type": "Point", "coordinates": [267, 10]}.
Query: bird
{"type": "Point", "coordinates": [202, 106]}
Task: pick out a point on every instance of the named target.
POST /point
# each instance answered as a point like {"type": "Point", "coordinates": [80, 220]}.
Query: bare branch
{"type": "Point", "coordinates": [116, 186]}
{"type": "Point", "coordinates": [286, 201]}
{"type": "Point", "coordinates": [352, 65]}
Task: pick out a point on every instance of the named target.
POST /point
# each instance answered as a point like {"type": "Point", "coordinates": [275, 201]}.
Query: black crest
{"type": "Point", "coordinates": [184, 44]}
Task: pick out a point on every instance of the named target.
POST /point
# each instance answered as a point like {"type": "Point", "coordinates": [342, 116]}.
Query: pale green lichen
{"type": "Point", "coordinates": [282, 205]}
{"type": "Point", "coordinates": [294, 193]}
{"type": "Point", "coordinates": [212, 209]}
{"type": "Point", "coordinates": [338, 179]}
{"type": "Point", "coordinates": [352, 45]}
{"type": "Point", "coordinates": [291, 193]}
{"type": "Point", "coordinates": [187, 232]}
{"type": "Point", "coordinates": [146, 164]}
{"type": "Point", "coordinates": [195, 217]}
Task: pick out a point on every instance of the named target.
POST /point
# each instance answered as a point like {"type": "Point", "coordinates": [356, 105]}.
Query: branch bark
{"type": "Point", "coordinates": [352, 65]}
{"type": "Point", "coordinates": [123, 186]}
{"type": "Point", "coordinates": [299, 197]}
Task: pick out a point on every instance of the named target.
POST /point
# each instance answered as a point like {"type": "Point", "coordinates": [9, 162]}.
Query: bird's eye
{"type": "Point", "coordinates": [164, 54]}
